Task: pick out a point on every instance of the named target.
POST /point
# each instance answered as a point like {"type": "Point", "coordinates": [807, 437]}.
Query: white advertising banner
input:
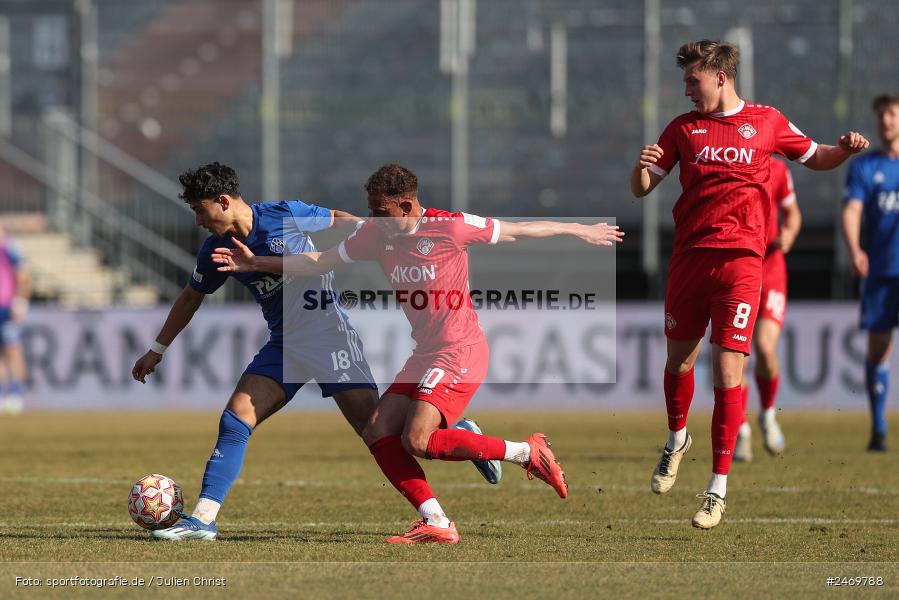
{"type": "Point", "coordinates": [539, 360]}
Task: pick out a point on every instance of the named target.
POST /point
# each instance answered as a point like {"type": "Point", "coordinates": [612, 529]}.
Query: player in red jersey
{"type": "Point", "coordinates": [724, 148]}
{"type": "Point", "coordinates": [773, 306]}
{"type": "Point", "coordinates": [424, 254]}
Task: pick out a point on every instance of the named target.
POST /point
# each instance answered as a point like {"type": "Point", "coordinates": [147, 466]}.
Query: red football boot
{"type": "Point", "coordinates": [422, 533]}
{"type": "Point", "coordinates": [544, 466]}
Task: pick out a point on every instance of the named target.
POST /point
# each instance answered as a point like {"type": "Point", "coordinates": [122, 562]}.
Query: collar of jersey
{"type": "Point", "coordinates": [729, 113]}
{"type": "Point", "coordinates": [414, 230]}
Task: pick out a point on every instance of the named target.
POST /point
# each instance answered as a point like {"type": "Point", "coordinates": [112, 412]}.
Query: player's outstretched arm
{"type": "Point", "coordinates": [242, 260]}
{"type": "Point", "coordinates": [344, 221]}
{"type": "Point", "coordinates": [182, 311]}
{"type": "Point", "coordinates": [601, 234]}
{"type": "Point", "coordinates": [830, 157]}
{"type": "Point", "coordinates": [643, 181]}
{"type": "Point", "coordinates": [852, 226]}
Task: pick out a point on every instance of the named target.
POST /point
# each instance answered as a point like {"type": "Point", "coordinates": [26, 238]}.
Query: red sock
{"type": "Point", "coordinates": [401, 469]}
{"type": "Point", "coordinates": [767, 390]}
{"type": "Point", "coordinates": [744, 396]}
{"type": "Point", "coordinates": [458, 444]}
{"type": "Point", "coordinates": [725, 426]}
{"type": "Point", "coordinates": [678, 396]}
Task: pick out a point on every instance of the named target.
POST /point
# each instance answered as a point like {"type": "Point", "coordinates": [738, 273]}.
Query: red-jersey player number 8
{"type": "Point", "coordinates": [432, 378]}
{"type": "Point", "coordinates": [741, 319]}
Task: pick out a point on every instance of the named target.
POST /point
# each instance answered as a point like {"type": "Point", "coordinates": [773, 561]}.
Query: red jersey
{"type": "Point", "coordinates": [428, 271]}
{"type": "Point", "coordinates": [782, 194]}
{"type": "Point", "coordinates": [724, 170]}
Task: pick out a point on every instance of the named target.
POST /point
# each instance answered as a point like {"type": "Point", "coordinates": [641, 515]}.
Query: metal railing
{"type": "Point", "coordinates": [133, 231]}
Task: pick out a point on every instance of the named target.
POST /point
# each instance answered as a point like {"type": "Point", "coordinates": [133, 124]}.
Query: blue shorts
{"type": "Point", "coordinates": [10, 331]}
{"type": "Point", "coordinates": [880, 303]}
{"type": "Point", "coordinates": [333, 358]}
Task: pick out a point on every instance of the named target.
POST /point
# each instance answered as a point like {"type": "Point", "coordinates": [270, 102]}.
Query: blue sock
{"type": "Point", "coordinates": [227, 458]}
{"type": "Point", "coordinates": [15, 388]}
{"type": "Point", "coordinates": [877, 380]}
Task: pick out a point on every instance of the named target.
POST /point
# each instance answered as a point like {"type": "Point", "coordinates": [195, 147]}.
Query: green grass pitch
{"type": "Point", "coordinates": [311, 510]}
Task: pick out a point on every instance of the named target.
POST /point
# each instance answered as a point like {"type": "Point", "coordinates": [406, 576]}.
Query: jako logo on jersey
{"type": "Point", "coordinates": [670, 323]}
{"type": "Point", "coordinates": [739, 338]}
{"type": "Point", "coordinates": [425, 245]}
{"type": "Point", "coordinates": [267, 284]}
{"type": "Point", "coordinates": [276, 245]}
{"type": "Point", "coordinates": [729, 155]}
{"type": "Point", "coordinates": [695, 131]}
{"type": "Point", "coordinates": [746, 130]}
{"type": "Point", "coordinates": [413, 274]}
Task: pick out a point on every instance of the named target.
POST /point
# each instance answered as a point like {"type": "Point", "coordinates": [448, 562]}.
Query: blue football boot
{"type": "Point", "coordinates": [188, 528]}
{"type": "Point", "coordinates": [492, 470]}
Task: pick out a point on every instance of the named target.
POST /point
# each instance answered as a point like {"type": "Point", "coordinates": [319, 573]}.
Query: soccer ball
{"type": "Point", "coordinates": [155, 502]}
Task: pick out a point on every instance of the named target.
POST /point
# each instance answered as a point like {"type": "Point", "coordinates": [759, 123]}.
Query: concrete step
{"type": "Point", "coordinates": [77, 277]}
{"type": "Point", "coordinates": [23, 223]}
{"type": "Point", "coordinates": [141, 295]}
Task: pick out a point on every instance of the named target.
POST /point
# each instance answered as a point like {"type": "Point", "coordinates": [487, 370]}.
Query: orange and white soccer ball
{"type": "Point", "coordinates": [155, 502]}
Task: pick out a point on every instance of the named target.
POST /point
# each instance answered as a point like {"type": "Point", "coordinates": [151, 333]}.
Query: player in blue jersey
{"type": "Point", "coordinates": [872, 195]}
{"type": "Point", "coordinates": [15, 286]}
{"type": "Point", "coordinates": [298, 350]}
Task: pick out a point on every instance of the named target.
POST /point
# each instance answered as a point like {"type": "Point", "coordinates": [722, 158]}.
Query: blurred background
{"type": "Point", "coordinates": [502, 107]}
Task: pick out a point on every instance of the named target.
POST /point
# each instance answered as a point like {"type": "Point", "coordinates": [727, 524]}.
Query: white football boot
{"type": "Point", "coordinates": [743, 449]}
{"type": "Point", "coordinates": [665, 473]}
{"type": "Point", "coordinates": [772, 436]}
{"type": "Point", "coordinates": [710, 511]}
{"type": "Point", "coordinates": [12, 404]}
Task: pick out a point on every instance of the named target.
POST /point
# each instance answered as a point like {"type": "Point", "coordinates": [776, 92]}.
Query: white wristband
{"type": "Point", "coordinates": [157, 348]}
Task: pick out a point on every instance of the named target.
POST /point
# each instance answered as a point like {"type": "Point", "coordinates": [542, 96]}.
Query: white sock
{"type": "Point", "coordinates": [676, 439]}
{"type": "Point", "coordinates": [717, 485]}
{"type": "Point", "coordinates": [207, 510]}
{"type": "Point", "coordinates": [517, 452]}
{"type": "Point", "coordinates": [433, 514]}
{"type": "Point", "coordinates": [745, 430]}
{"type": "Point", "coordinates": [769, 413]}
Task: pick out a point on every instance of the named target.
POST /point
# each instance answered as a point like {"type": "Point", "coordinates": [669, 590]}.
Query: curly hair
{"type": "Point", "coordinates": [711, 55]}
{"type": "Point", "coordinates": [392, 180]}
{"type": "Point", "coordinates": [209, 182]}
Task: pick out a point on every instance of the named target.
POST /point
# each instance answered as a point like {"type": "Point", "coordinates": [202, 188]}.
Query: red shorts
{"type": "Point", "coordinates": [446, 379]}
{"type": "Point", "coordinates": [717, 284]}
{"type": "Point", "coordinates": [774, 288]}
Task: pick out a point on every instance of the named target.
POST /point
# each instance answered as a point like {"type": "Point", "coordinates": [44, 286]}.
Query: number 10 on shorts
{"type": "Point", "coordinates": [431, 378]}
{"type": "Point", "coordinates": [741, 319]}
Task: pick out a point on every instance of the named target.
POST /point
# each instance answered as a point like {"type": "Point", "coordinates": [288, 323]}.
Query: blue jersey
{"type": "Point", "coordinates": [278, 228]}
{"type": "Point", "coordinates": [10, 259]}
{"type": "Point", "coordinates": [874, 180]}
